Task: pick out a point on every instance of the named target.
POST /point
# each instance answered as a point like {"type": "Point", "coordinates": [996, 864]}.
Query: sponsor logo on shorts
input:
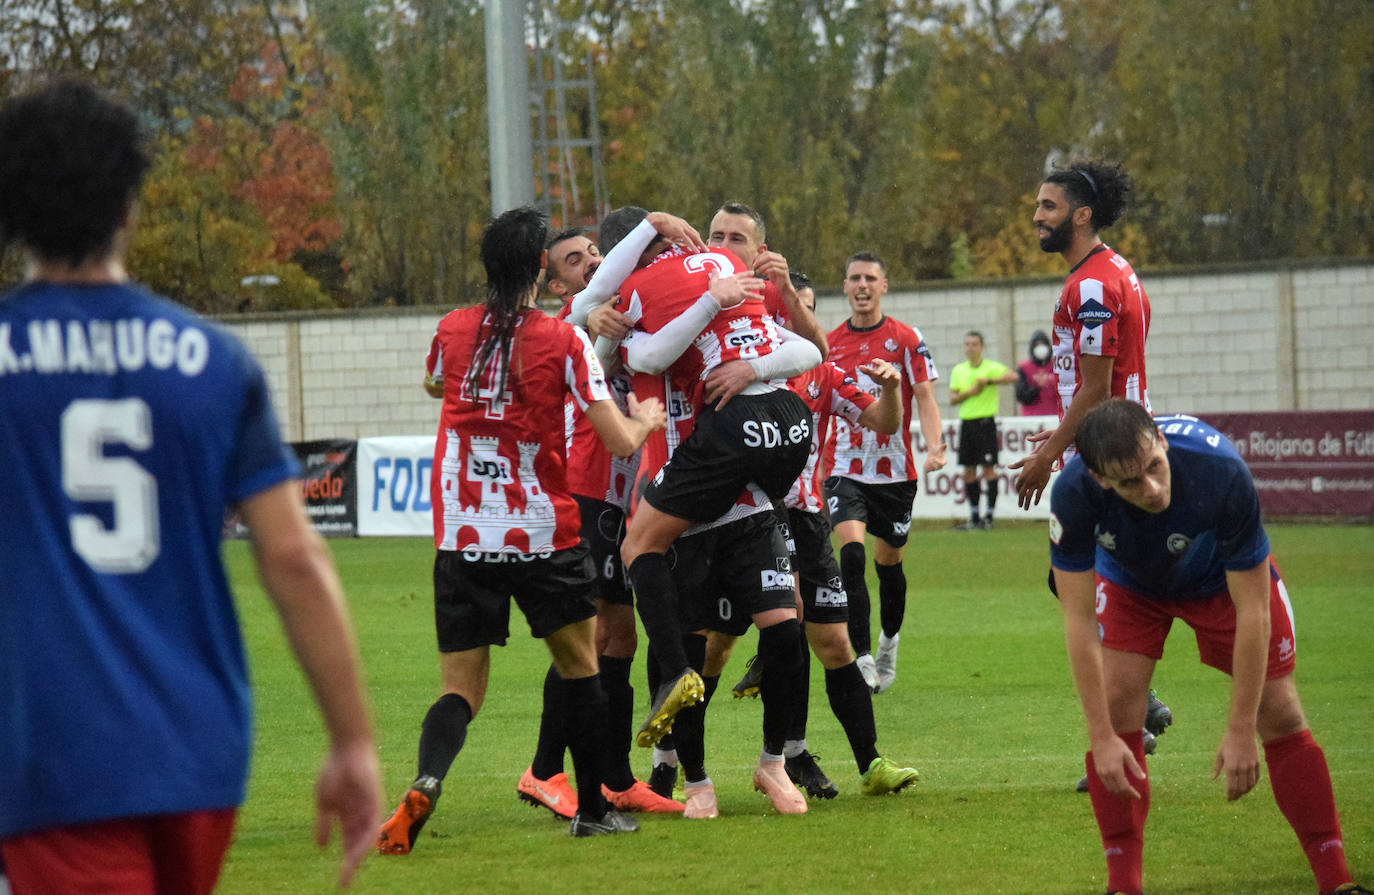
{"type": "Point", "coordinates": [1177, 543]}
{"type": "Point", "coordinates": [829, 596]}
{"type": "Point", "coordinates": [1056, 529]}
{"type": "Point", "coordinates": [1107, 540]}
{"type": "Point", "coordinates": [1285, 649]}
{"type": "Point", "coordinates": [901, 528]}
{"type": "Point", "coordinates": [473, 553]}
{"type": "Point", "coordinates": [769, 434]}
{"type": "Point", "coordinates": [776, 580]}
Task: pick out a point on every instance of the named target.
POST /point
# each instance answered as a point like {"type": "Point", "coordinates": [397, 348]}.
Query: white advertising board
{"type": "Point", "coordinates": [393, 485]}
{"type": "Point", "coordinates": [941, 495]}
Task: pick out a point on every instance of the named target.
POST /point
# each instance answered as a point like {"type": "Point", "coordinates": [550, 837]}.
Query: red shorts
{"type": "Point", "coordinates": [1133, 623]}
{"type": "Point", "coordinates": [156, 855]}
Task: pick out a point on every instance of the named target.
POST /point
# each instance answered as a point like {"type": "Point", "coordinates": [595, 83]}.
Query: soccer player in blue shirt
{"type": "Point", "coordinates": [1158, 519]}
{"type": "Point", "coordinates": [127, 426]}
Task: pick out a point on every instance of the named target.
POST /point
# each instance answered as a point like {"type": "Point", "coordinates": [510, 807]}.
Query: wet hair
{"type": "Point", "coordinates": [869, 257]}
{"type": "Point", "coordinates": [1101, 186]}
{"type": "Point", "coordinates": [71, 161]}
{"type": "Point", "coordinates": [748, 211]}
{"type": "Point", "coordinates": [555, 239]}
{"type": "Point", "coordinates": [974, 332]}
{"type": "Point", "coordinates": [511, 247]}
{"type": "Point", "coordinates": [617, 225]}
{"type": "Point", "coordinates": [799, 280]}
{"type": "Point", "coordinates": [1113, 433]}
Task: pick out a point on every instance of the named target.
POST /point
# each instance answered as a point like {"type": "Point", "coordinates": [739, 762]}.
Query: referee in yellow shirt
{"type": "Point", "coordinates": [970, 390]}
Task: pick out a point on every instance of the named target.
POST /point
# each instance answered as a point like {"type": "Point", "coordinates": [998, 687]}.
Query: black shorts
{"type": "Point", "coordinates": [764, 439]}
{"type": "Point", "coordinates": [727, 574]}
{"type": "Point", "coordinates": [978, 442]}
{"type": "Point", "coordinates": [472, 597]}
{"type": "Point", "coordinates": [885, 510]}
{"type": "Point", "coordinates": [822, 591]}
{"type": "Point", "coordinates": [603, 528]}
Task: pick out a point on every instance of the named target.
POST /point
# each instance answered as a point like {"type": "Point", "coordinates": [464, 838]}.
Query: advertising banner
{"type": "Point", "coordinates": [329, 485]}
{"type": "Point", "coordinates": [1306, 463]}
{"type": "Point", "coordinates": [941, 494]}
{"type": "Point", "coordinates": [393, 485]}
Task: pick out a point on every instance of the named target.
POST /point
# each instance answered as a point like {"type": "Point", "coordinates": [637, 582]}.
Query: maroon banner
{"type": "Point", "coordinates": [1306, 463]}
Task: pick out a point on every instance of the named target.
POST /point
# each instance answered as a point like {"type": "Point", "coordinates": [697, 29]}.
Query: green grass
{"type": "Point", "coordinates": [983, 706]}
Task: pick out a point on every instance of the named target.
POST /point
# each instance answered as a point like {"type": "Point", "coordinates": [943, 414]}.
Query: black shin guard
{"type": "Point", "coordinates": [548, 751]}
{"type": "Point", "coordinates": [853, 569]}
{"type": "Point", "coordinates": [780, 653]}
{"type": "Point", "coordinates": [656, 598]}
{"type": "Point", "coordinates": [585, 711]}
{"type": "Point", "coordinates": [852, 703]}
{"type": "Point", "coordinates": [442, 734]}
{"type": "Point", "coordinates": [891, 597]}
{"type": "Point", "coordinates": [620, 707]}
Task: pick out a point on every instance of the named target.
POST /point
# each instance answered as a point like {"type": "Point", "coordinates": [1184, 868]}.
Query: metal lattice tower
{"type": "Point", "coordinates": [567, 144]}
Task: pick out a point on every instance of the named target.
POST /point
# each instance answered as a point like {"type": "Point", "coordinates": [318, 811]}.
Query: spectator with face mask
{"type": "Point", "coordinates": [1036, 386]}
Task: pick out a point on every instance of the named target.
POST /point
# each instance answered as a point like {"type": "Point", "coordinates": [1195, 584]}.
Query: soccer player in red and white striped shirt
{"type": "Point", "coordinates": [1102, 316]}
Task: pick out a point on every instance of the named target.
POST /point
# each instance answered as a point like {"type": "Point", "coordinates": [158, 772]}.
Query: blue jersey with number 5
{"type": "Point", "coordinates": [127, 426]}
{"type": "Point", "coordinates": [1211, 526]}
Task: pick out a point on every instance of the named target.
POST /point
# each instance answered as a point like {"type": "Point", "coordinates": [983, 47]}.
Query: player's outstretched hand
{"type": "Point", "coordinates": [730, 289]}
{"type": "Point", "coordinates": [648, 412]}
{"type": "Point", "coordinates": [1239, 757]}
{"type": "Point", "coordinates": [882, 372]}
{"type": "Point", "coordinates": [677, 230]}
{"type": "Point", "coordinates": [349, 789]}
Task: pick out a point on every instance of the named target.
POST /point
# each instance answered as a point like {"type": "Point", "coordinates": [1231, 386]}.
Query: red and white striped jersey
{"type": "Point", "coordinates": [499, 484]}
{"type": "Point", "coordinates": [828, 391]}
{"type": "Point", "coordinates": [657, 293]}
{"type": "Point", "coordinates": [593, 471]}
{"type": "Point", "coordinates": [1102, 311]}
{"type": "Point", "coordinates": [862, 454]}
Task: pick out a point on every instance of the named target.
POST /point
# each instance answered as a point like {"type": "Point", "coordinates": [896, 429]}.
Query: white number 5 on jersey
{"type": "Point", "coordinates": [133, 541]}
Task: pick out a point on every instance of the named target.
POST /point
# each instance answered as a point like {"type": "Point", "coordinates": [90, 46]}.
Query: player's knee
{"type": "Point", "coordinates": [1280, 710]}
{"type": "Point", "coordinates": [830, 643]}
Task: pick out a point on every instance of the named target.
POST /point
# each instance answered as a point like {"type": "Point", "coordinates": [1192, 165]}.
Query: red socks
{"type": "Point", "coordinates": [1302, 787]}
{"type": "Point", "coordinates": [1121, 821]}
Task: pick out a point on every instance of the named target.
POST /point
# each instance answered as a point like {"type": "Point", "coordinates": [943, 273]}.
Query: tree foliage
{"type": "Point", "coordinates": [341, 146]}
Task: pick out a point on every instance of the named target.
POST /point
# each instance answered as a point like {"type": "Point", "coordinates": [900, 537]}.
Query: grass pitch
{"type": "Point", "coordinates": [983, 705]}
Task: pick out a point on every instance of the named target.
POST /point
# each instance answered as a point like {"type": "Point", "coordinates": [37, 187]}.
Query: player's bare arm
{"type": "Point", "coordinates": [1036, 468]}
{"type": "Point", "coordinates": [622, 434]}
{"type": "Point", "coordinates": [299, 578]}
{"type": "Point", "coordinates": [928, 413]}
{"type": "Point", "coordinates": [1238, 754]}
{"type": "Point", "coordinates": [801, 319]}
{"type": "Point", "coordinates": [1111, 756]}
{"type": "Point", "coordinates": [885, 414]}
